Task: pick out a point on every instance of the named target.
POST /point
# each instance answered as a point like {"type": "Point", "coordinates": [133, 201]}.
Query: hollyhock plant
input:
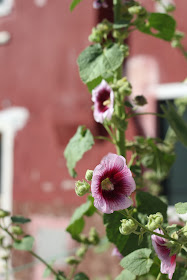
{"type": "Point", "coordinates": [168, 263]}
{"type": "Point", "coordinates": [112, 183]}
{"type": "Point", "coordinates": [103, 98]}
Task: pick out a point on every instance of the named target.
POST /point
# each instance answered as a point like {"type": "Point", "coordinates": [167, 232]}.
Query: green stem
{"type": "Point", "coordinates": [103, 138]}
{"type": "Point", "coordinates": [159, 275]}
{"type": "Point", "coordinates": [31, 252]}
{"type": "Point", "coordinates": [44, 262]}
{"type": "Point", "coordinates": [147, 230]}
{"type": "Point", "coordinates": [117, 10]}
{"type": "Point", "coordinates": [145, 113]}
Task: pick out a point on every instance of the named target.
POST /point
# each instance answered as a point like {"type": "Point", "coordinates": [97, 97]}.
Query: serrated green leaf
{"type": "Point", "coordinates": [95, 61]}
{"type": "Point", "coordinates": [20, 220]}
{"type": "Point", "coordinates": [176, 122]}
{"type": "Point", "coordinates": [80, 143]}
{"type": "Point", "coordinates": [159, 25]}
{"type": "Point", "coordinates": [76, 224]}
{"type": "Point", "coordinates": [126, 275]}
{"type": "Point", "coordinates": [25, 244]}
{"type": "Point", "coordinates": [74, 3]}
{"type": "Point", "coordinates": [125, 243]}
{"type": "Point", "coordinates": [181, 208]}
{"type": "Point", "coordinates": [138, 262]}
{"type": "Point", "coordinates": [149, 204]}
{"type": "Point", "coordinates": [81, 276]}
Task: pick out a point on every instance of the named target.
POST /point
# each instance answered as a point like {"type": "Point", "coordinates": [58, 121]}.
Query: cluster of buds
{"type": "Point", "coordinates": [127, 226]}
{"type": "Point", "coordinates": [176, 41]}
{"type": "Point", "coordinates": [123, 87]}
{"type": "Point", "coordinates": [81, 188]}
{"type": "Point", "coordinates": [154, 221]}
{"type": "Point", "coordinates": [100, 32]}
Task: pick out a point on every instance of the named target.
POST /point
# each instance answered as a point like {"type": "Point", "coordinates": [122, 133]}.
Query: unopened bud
{"type": "Point", "coordinates": [93, 236]}
{"type": "Point", "coordinates": [72, 260]}
{"type": "Point", "coordinates": [81, 188]}
{"type": "Point", "coordinates": [170, 8]}
{"type": "Point", "coordinates": [4, 213]}
{"type": "Point", "coordinates": [140, 100]}
{"type": "Point", "coordinates": [174, 248]}
{"type": "Point", "coordinates": [136, 10]}
{"type": "Point", "coordinates": [127, 226]}
{"type": "Point", "coordinates": [17, 230]}
{"type": "Point", "coordinates": [154, 221]}
{"type": "Point", "coordinates": [89, 174]}
{"type": "Point", "coordinates": [81, 251]}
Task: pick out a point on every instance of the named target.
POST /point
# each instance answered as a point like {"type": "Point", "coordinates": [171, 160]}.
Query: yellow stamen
{"type": "Point", "coordinates": [107, 185]}
{"type": "Point", "coordinates": [106, 102]}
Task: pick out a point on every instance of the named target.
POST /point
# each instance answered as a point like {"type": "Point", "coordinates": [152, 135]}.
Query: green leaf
{"type": "Point", "coordinates": [80, 143]}
{"type": "Point", "coordinates": [149, 204]}
{"type": "Point", "coordinates": [20, 220]}
{"type": "Point", "coordinates": [138, 262]}
{"type": "Point", "coordinates": [25, 244]}
{"type": "Point", "coordinates": [95, 61]}
{"type": "Point", "coordinates": [159, 25]}
{"type": "Point", "coordinates": [125, 275]}
{"type": "Point", "coordinates": [74, 3]}
{"type": "Point", "coordinates": [176, 122]}
{"type": "Point", "coordinates": [76, 224]}
{"type": "Point", "coordinates": [125, 243]}
{"type": "Point", "coordinates": [81, 276]}
{"type": "Point", "coordinates": [181, 208]}
{"type": "Point", "coordinates": [180, 274]}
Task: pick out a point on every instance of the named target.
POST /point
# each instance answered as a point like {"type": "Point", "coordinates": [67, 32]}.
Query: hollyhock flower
{"type": "Point", "coordinates": [97, 4]}
{"type": "Point", "coordinates": [115, 252]}
{"type": "Point", "coordinates": [112, 183]}
{"type": "Point", "coordinates": [103, 98]}
{"type": "Point", "coordinates": [168, 263]}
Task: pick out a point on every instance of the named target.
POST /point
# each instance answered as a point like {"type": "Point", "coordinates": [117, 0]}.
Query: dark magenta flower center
{"type": "Point", "coordinates": [103, 100]}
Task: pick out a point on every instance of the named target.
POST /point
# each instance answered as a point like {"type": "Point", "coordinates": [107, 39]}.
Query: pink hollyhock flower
{"type": "Point", "coordinates": [112, 183]}
{"type": "Point", "coordinates": [103, 98]}
{"type": "Point", "coordinates": [168, 263]}
{"type": "Point", "coordinates": [115, 252]}
{"type": "Point", "coordinates": [97, 4]}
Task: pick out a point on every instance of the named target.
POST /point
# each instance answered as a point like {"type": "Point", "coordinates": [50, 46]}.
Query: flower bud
{"type": "Point", "coordinates": [182, 233]}
{"type": "Point", "coordinates": [4, 213]}
{"type": "Point", "coordinates": [81, 251]}
{"type": "Point", "coordinates": [89, 174]}
{"type": "Point", "coordinates": [140, 100]}
{"type": "Point", "coordinates": [17, 230]}
{"type": "Point", "coordinates": [81, 188]}
{"type": "Point", "coordinates": [136, 10]}
{"type": "Point", "coordinates": [154, 221]}
{"type": "Point", "coordinates": [72, 260]}
{"type": "Point", "coordinates": [93, 236]}
{"type": "Point", "coordinates": [170, 8]}
{"type": "Point", "coordinates": [127, 226]}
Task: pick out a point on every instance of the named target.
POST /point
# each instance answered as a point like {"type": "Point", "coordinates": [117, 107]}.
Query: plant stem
{"type": "Point", "coordinates": [44, 262]}
{"type": "Point", "coordinates": [147, 230]}
{"type": "Point", "coordinates": [145, 113]}
{"type": "Point", "coordinates": [159, 275]}
{"type": "Point", "coordinates": [31, 252]}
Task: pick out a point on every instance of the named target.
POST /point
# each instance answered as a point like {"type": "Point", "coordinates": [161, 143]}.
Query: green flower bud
{"type": "Point", "coordinates": [125, 50]}
{"type": "Point", "coordinates": [81, 251]}
{"type": "Point", "coordinates": [89, 174]}
{"type": "Point", "coordinates": [93, 236]}
{"type": "Point", "coordinates": [170, 8]}
{"type": "Point", "coordinates": [154, 221]}
{"type": "Point", "coordinates": [81, 188]}
{"type": "Point", "coordinates": [4, 213]}
{"type": "Point", "coordinates": [140, 100]}
{"type": "Point", "coordinates": [182, 234]}
{"type": "Point", "coordinates": [72, 260]}
{"type": "Point", "coordinates": [83, 239]}
{"type": "Point", "coordinates": [137, 10]}
{"type": "Point", "coordinates": [17, 230]}
{"type": "Point", "coordinates": [175, 43]}
{"type": "Point", "coordinates": [127, 226]}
